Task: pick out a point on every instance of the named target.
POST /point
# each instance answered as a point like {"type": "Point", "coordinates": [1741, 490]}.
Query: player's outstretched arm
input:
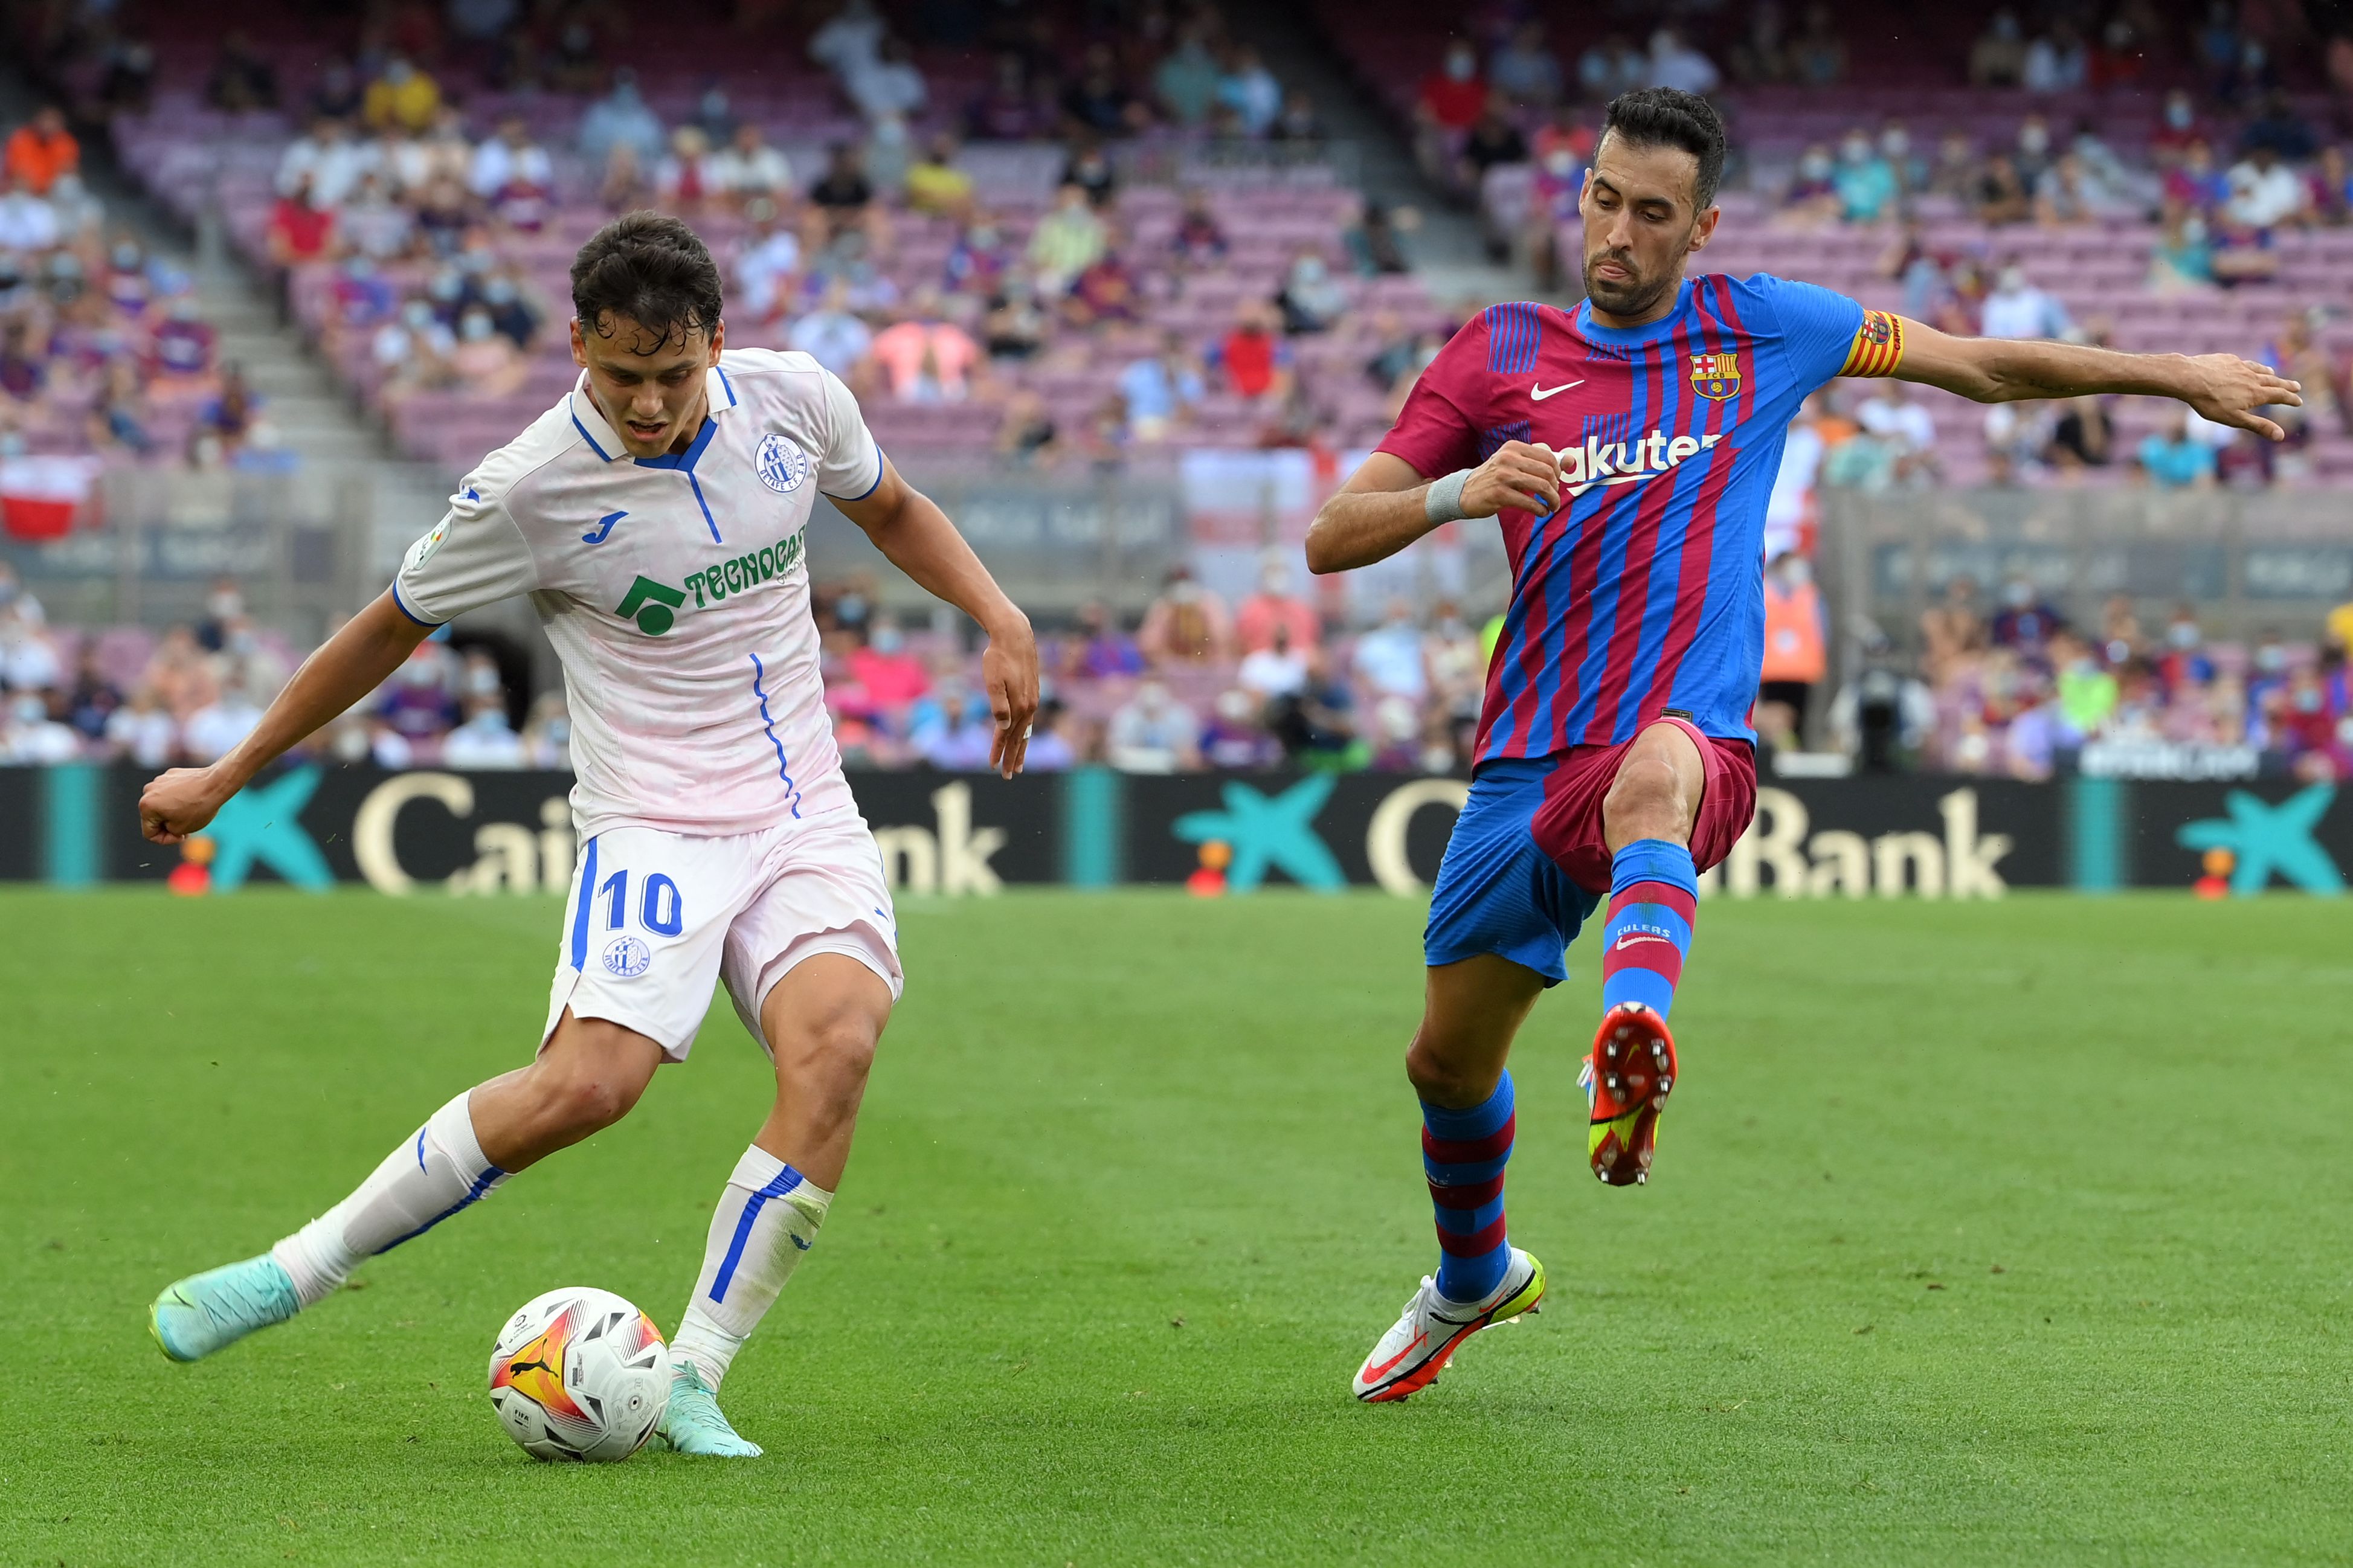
{"type": "Point", "coordinates": [2223, 388]}
{"type": "Point", "coordinates": [353, 663]}
{"type": "Point", "coordinates": [909, 528]}
{"type": "Point", "coordinates": [1385, 505]}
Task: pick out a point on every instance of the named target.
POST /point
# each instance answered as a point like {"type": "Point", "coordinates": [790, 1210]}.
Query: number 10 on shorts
{"type": "Point", "coordinates": [659, 909]}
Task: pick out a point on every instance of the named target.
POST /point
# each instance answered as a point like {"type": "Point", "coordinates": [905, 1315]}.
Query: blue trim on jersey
{"type": "Point", "coordinates": [693, 453]}
{"type": "Point", "coordinates": [584, 433]}
{"type": "Point", "coordinates": [783, 1182]}
{"type": "Point", "coordinates": [709, 521]}
{"type": "Point", "coordinates": [1514, 333]}
{"type": "Point", "coordinates": [728, 384]}
{"type": "Point", "coordinates": [783, 768]}
{"type": "Point", "coordinates": [869, 489]}
{"type": "Point", "coordinates": [580, 912]}
{"type": "Point", "coordinates": [405, 610]}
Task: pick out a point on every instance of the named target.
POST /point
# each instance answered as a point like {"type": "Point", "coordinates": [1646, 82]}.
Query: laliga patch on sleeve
{"type": "Point", "coordinates": [422, 551]}
{"type": "Point", "coordinates": [784, 466]}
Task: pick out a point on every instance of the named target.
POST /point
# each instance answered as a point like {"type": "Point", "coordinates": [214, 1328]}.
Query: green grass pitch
{"type": "Point", "coordinates": [1981, 1233]}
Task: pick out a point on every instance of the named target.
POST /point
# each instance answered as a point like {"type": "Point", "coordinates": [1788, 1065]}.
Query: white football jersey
{"type": "Point", "coordinates": [674, 590]}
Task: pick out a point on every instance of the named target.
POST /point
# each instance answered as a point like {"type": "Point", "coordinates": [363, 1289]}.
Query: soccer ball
{"type": "Point", "coordinates": [580, 1373]}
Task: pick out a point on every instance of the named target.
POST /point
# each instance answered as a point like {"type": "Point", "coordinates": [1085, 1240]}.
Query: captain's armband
{"type": "Point", "coordinates": [1878, 346]}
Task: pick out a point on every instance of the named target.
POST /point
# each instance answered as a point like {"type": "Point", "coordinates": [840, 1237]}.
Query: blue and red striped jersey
{"type": "Point", "coordinates": [1645, 591]}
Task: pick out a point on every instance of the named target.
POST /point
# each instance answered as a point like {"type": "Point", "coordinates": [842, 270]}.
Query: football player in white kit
{"type": "Point", "coordinates": [655, 517]}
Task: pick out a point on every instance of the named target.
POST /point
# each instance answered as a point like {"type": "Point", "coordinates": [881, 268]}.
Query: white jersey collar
{"type": "Point", "coordinates": [719, 394]}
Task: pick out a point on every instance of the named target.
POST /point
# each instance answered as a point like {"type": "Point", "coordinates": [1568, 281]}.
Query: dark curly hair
{"type": "Point", "coordinates": [649, 269]}
{"type": "Point", "coordinates": [1669, 117]}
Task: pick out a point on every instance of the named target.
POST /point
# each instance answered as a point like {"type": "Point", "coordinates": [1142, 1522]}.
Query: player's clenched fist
{"type": "Point", "coordinates": [1520, 477]}
{"type": "Point", "coordinates": [178, 804]}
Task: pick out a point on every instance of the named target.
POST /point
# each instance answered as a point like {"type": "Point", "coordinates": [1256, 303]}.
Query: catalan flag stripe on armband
{"type": "Point", "coordinates": [1878, 345]}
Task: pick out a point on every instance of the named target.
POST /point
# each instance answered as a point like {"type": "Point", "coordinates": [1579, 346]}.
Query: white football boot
{"type": "Point", "coordinates": [1417, 1348]}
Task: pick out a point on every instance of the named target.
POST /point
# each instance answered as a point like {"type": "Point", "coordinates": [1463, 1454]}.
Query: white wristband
{"type": "Point", "coordinates": [1443, 501]}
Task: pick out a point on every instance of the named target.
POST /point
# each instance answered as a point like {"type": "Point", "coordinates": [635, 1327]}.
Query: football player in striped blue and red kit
{"type": "Point", "coordinates": [1626, 449]}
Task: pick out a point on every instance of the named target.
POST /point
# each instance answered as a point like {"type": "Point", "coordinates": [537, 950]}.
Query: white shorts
{"type": "Point", "coordinates": [655, 918]}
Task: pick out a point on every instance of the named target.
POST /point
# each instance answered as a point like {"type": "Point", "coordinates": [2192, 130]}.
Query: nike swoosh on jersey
{"type": "Point", "coordinates": [1538, 394]}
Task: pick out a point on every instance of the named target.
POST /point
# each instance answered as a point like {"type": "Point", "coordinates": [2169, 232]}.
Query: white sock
{"type": "Point", "coordinates": [422, 1183]}
{"type": "Point", "coordinates": [766, 1218]}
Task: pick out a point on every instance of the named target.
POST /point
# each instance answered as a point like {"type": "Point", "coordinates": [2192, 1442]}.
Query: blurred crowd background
{"type": "Point", "coordinates": [1086, 241]}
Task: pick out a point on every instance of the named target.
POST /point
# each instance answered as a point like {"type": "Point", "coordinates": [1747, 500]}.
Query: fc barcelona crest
{"type": "Point", "coordinates": [1715, 375]}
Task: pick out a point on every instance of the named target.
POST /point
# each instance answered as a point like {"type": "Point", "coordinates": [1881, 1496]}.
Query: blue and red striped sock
{"type": "Point", "coordinates": [1654, 899]}
{"type": "Point", "coordinates": [1463, 1153]}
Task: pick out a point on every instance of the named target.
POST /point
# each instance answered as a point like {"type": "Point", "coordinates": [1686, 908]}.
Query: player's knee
{"type": "Point", "coordinates": [588, 1101]}
{"type": "Point", "coordinates": [831, 1055]}
{"type": "Point", "coordinates": [1443, 1077]}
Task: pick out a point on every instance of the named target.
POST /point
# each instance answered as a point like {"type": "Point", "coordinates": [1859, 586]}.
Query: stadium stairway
{"type": "Point", "coordinates": [1446, 250]}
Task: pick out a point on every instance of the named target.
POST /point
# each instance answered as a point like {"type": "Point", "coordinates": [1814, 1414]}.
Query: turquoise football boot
{"type": "Point", "coordinates": [221, 1306]}
{"type": "Point", "coordinates": [692, 1423]}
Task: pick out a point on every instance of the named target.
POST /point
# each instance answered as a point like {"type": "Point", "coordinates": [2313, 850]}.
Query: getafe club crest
{"type": "Point", "coordinates": [1715, 375]}
{"type": "Point", "coordinates": [783, 465]}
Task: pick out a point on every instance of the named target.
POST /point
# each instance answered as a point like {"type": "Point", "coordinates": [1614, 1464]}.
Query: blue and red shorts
{"type": "Point", "coordinates": [1529, 862]}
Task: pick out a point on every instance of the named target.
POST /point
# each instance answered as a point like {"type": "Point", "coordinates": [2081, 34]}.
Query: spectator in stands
{"type": "Point", "coordinates": [2068, 195]}
{"type": "Point", "coordinates": [417, 701]}
{"type": "Point", "coordinates": [1675, 63]}
{"type": "Point", "coordinates": [1390, 661]}
{"type": "Point", "coordinates": [1252, 358]}
{"type": "Point", "coordinates": [2026, 622]}
{"type": "Point", "coordinates": [215, 728]}
{"type": "Point", "coordinates": [2082, 438]}
{"type": "Point", "coordinates": [1818, 54]}
{"type": "Point", "coordinates": [1894, 416]}
{"type": "Point", "coordinates": [842, 201]}
{"type": "Point", "coordinates": [2056, 61]}
{"type": "Point", "coordinates": [2033, 152]}
{"type": "Point", "coordinates": [126, 78]}
{"type": "Point", "coordinates": [850, 39]}
{"type": "Point", "coordinates": [1008, 110]}
{"type": "Point", "coordinates": [1236, 737]}
{"type": "Point", "coordinates": [1311, 300]}
{"type": "Point", "coordinates": [1957, 172]}
{"type": "Point", "coordinates": [2183, 256]}
{"type": "Point", "coordinates": [486, 740]}
{"type": "Point", "coordinates": [2196, 180]}
{"type": "Point", "coordinates": [2016, 308]}
{"type": "Point", "coordinates": [1760, 53]}
{"type": "Point", "coordinates": [374, 225]}
{"type": "Point", "coordinates": [1277, 670]}
{"type": "Point", "coordinates": [684, 180]}
{"type": "Point", "coordinates": [510, 309]}
{"type": "Point", "coordinates": [2279, 127]}
{"type": "Point", "coordinates": [1090, 168]}
{"type": "Point", "coordinates": [1066, 241]}
{"type": "Point", "coordinates": [1186, 80]}
{"type": "Point", "coordinates": [1453, 95]}
{"type": "Point", "coordinates": [1152, 733]}
{"type": "Point", "coordinates": [1105, 292]}
{"type": "Point", "coordinates": [1796, 656]}
{"type": "Point", "coordinates": [1161, 389]}
{"type": "Point", "coordinates": [508, 158]}
{"type": "Point", "coordinates": [1609, 67]}
{"type": "Point", "coordinates": [27, 222]}
{"type": "Point", "coordinates": [301, 230]}
{"type": "Point", "coordinates": [1524, 71]}
{"type": "Point", "coordinates": [2332, 188]}
{"type": "Point", "coordinates": [1248, 90]}
{"type": "Point", "coordinates": [413, 351]}
{"type": "Point", "coordinates": [2170, 458]}
{"type": "Point", "coordinates": [32, 737]}
{"type": "Point", "coordinates": [1015, 328]}
{"type": "Point", "coordinates": [328, 158]}
{"type": "Point", "coordinates": [1299, 125]}
{"type": "Point", "coordinates": [1186, 625]}
{"type": "Point", "coordinates": [748, 170]}
{"type": "Point", "coordinates": [923, 357]}
{"type": "Point", "coordinates": [121, 419]}
{"type": "Point", "coordinates": [1866, 182]}
{"type": "Point", "coordinates": [23, 371]}
{"type": "Point", "coordinates": [767, 262]}
{"type": "Point", "coordinates": [1811, 195]}
{"type": "Point", "coordinates": [1273, 606]}
{"type": "Point", "coordinates": [2265, 192]}
{"type": "Point", "coordinates": [625, 185]}
{"type": "Point", "coordinates": [486, 360]}
{"type": "Point", "coordinates": [889, 88]}
{"type": "Point", "coordinates": [41, 150]}
{"type": "Point", "coordinates": [401, 94]}
{"type": "Point", "coordinates": [28, 659]}
{"type": "Point", "coordinates": [1998, 59]}
{"type": "Point", "coordinates": [832, 334]}
{"type": "Point", "coordinates": [1199, 239]}
{"type": "Point", "coordinates": [978, 262]}
{"type": "Point", "coordinates": [621, 118]}
{"type": "Point", "coordinates": [1098, 102]}
{"type": "Point", "coordinates": [241, 80]}
{"type": "Point", "coordinates": [1025, 435]}
{"type": "Point", "coordinates": [937, 183]}
{"type": "Point", "coordinates": [1492, 141]}
{"type": "Point", "coordinates": [1102, 650]}
{"type": "Point", "coordinates": [1372, 238]}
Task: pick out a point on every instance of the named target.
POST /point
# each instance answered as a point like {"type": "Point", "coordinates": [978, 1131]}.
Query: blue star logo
{"type": "Point", "coordinates": [2265, 838]}
{"type": "Point", "coordinates": [1263, 831]}
{"type": "Point", "coordinates": [262, 822]}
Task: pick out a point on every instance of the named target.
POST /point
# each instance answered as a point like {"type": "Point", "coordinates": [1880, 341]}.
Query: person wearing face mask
{"type": "Point", "coordinates": [2016, 308]}
{"type": "Point", "coordinates": [1866, 182]}
{"type": "Point", "coordinates": [1454, 95]}
{"type": "Point", "coordinates": [511, 310]}
{"type": "Point", "coordinates": [1998, 59]}
{"type": "Point", "coordinates": [1796, 649]}
{"type": "Point", "coordinates": [485, 359]}
{"type": "Point", "coordinates": [401, 94]}
{"type": "Point", "coordinates": [1311, 299]}
{"type": "Point", "coordinates": [1813, 195]}
{"type": "Point", "coordinates": [2026, 621]}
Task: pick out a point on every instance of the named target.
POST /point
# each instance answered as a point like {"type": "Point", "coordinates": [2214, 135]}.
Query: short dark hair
{"type": "Point", "coordinates": [651, 270]}
{"type": "Point", "coordinates": [1669, 117]}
